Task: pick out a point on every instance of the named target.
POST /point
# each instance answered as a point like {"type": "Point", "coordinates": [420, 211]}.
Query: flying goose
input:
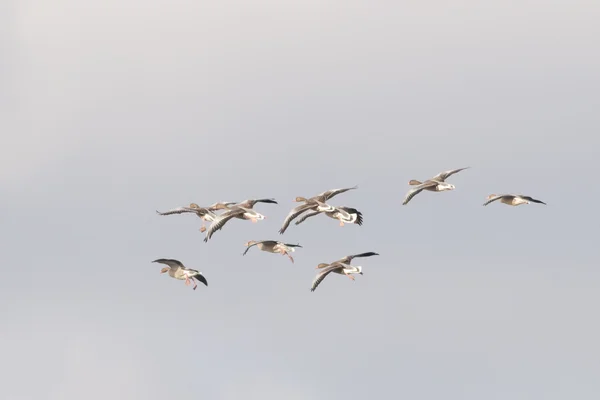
{"type": "Point", "coordinates": [338, 268]}
{"type": "Point", "coordinates": [273, 246]}
{"type": "Point", "coordinates": [512, 199]}
{"type": "Point", "coordinates": [341, 266]}
{"type": "Point", "coordinates": [344, 214]}
{"type": "Point", "coordinates": [204, 213]}
{"type": "Point", "coordinates": [178, 271]}
{"type": "Point", "coordinates": [312, 205]}
{"type": "Point", "coordinates": [435, 184]}
{"type": "Point", "coordinates": [232, 212]}
{"type": "Point", "coordinates": [317, 203]}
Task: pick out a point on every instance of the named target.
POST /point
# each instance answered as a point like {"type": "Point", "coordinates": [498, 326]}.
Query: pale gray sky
{"type": "Point", "coordinates": [111, 110]}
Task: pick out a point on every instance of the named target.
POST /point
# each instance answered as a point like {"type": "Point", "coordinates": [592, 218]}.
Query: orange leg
{"type": "Point", "coordinates": [290, 257]}
{"type": "Point", "coordinates": [341, 223]}
{"type": "Point", "coordinates": [350, 276]}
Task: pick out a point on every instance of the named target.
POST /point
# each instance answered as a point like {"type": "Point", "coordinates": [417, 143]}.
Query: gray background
{"type": "Point", "coordinates": [111, 110]}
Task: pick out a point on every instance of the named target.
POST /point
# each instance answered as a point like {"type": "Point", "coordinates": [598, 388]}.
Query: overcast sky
{"type": "Point", "coordinates": [111, 110]}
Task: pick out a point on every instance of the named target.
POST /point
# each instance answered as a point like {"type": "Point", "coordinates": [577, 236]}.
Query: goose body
{"type": "Point", "coordinates": [178, 271]}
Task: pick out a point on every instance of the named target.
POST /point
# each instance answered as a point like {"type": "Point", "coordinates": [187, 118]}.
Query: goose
{"type": "Point", "coordinates": [436, 184]}
{"type": "Point", "coordinates": [512, 199]}
{"type": "Point", "coordinates": [341, 266]}
{"type": "Point", "coordinates": [273, 246]}
{"type": "Point", "coordinates": [204, 213]}
{"type": "Point", "coordinates": [178, 271]}
{"type": "Point", "coordinates": [232, 212]}
{"type": "Point", "coordinates": [346, 215]}
{"type": "Point", "coordinates": [317, 203]}
{"type": "Point", "coordinates": [338, 268]}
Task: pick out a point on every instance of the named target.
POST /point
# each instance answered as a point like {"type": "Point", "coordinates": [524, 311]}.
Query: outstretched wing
{"type": "Point", "coordinates": [416, 190]}
{"type": "Point", "coordinates": [531, 199]}
{"type": "Point", "coordinates": [494, 198]}
{"type": "Point", "coordinates": [305, 216]}
{"type": "Point", "coordinates": [292, 245]}
{"type": "Point", "coordinates": [221, 205]}
{"type": "Point", "coordinates": [222, 220]}
{"type": "Point", "coordinates": [251, 202]}
{"type": "Point", "coordinates": [268, 201]}
{"type": "Point", "coordinates": [182, 210]}
{"type": "Point", "coordinates": [294, 213]}
{"type": "Point", "coordinates": [350, 210]}
{"type": "Point", "coordinates": [170, 262]}
{"type": "Point", "coordinates": [442, 176]}
{"type": "Point", "coordinates": [200, 278]}
{"type": "Point", "coordinates": [348, 259]}
{"type": "Point", "coordinates": [323, 274]}
{"type": "Point", "coordinates": [328, 194]}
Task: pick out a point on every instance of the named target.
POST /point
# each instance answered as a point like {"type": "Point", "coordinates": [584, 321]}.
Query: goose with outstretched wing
{"type": "Point", "coordinates": [273, 246]}
{"type": "Point", "coordinates": [512, 199]}
{"type": "Point", "coordinates": [178, 271]}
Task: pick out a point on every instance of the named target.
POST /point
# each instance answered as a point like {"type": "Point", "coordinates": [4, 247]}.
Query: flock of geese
{"type": "Point", "coordinates": [310, 207]}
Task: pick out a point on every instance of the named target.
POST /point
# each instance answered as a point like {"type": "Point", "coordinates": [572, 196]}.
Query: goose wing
{"type": "Point", "coordinates": [181, 210]}
{"type": "Point", "coordinates": [294, 213]}
{"type": "Point", "coordinates": [221, 220]}
{"type": "Point", "coordinates": [350, 210]}
{"type": "Point", "coordinates": [323, 274]}
{"type": "Point", "coordinates": [494, 198]}
{"type": "Point", "coordinates": [251, 202]}
{"type": "Point", "coordinates": [442, 176]}
{"type": "Point", "coordinates": [418, 189]}
{"type": "Point", "coordinates": [328, 194]}
{"type": "Point", "coordinates": [308, 215]}
{"type": "Point", "coordinates": [348, 259]}
{"type": "Point", "coordinates": [200, 277]}
{"type": "Point", "coordinates": [170, 262]}
{"type": "Point", "coordinates": [220, 205]}
{"type": "Point", "coordinates": [528, 198]}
